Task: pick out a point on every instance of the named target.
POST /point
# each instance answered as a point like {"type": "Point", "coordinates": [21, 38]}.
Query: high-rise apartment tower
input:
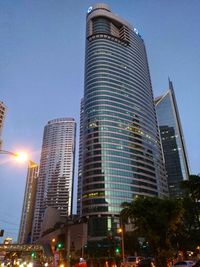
{"type": "Point", "coordinates": [2, 118]}
{"type": "Point", "coordinates": [172, 141]}
{"type": "Point", "coordinates": [56, 173]}
{"type": "Point", "coordinates": [80, 166]}
{"type": "Point", "coordinates": [28, 204]}
{"type": "Point", "coordinates": [122, 155]}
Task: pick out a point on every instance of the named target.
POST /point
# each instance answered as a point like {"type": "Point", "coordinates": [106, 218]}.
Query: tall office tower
{"type": "Point", "coordinates": [2, 118]}
{"type": "Point", "coordinates": [80, 164]}
{"type": "Point", "coordinates": [122, 155]}
{"type": "Point", "coordinates": [28, 204]}
{"type": "Point", "coordinates": [56, 174]}
{"type": "Point", "coordinates": [172, 141]}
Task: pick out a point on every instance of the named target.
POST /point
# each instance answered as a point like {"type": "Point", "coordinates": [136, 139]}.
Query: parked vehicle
{"type": "Point", "coordinates": [197, 264]}
{"type": "Point", "coordinates": [147, 262]}
{"type": "Point", "coordinates": [132, 261]}
{"type": "Point", "coordinates": [184, 264]}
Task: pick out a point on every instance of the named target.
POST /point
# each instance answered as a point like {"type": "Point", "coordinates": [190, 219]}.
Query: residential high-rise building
{"type": "Point", "coordinates": [172, 141]}
{"type": "Point", "coordinates": [2, 118]}
{"type": "Point", "coordinates": [56, 173]}
{"type": "Point", "coordinates": [28, 204]}
{"type": "Point", "coordinates": [80, 164]}
{"type": "Point", "coordinates": [122, 156]}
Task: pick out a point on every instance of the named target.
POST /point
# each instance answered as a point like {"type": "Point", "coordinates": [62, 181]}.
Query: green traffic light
{"type": "Point", "coordinates": [117, 250]}
{"type": "Point", "coordinates": [60, 245]}
{"type": "Point", "coordinates": [33, 254]}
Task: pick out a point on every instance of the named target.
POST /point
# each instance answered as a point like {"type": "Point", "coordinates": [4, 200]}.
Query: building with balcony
{"type": "Point", "coordinates": [56, 173]}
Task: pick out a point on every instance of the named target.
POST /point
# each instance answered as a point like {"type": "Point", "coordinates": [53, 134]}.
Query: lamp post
{"type": "Point", "coordinates": [8, 152]}
{"type": "Point", "coordinates": [53, 244]}
{"type": "Point", "coordinates": [83, 238]}
{"type": "Point", "coordinates": [19, 156]}
{"type": "Point", "coordinates": [121, 231]}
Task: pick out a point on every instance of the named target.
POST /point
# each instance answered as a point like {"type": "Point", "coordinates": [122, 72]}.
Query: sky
{"type": "Point", "coordinates": [42, 46]}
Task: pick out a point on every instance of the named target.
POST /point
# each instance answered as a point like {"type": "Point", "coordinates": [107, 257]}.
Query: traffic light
{"type": "Point", "coordinates": [117, 250]}
{"type": "Point", "coordinates": [59, 245]}
{"type": "Point", "coordinates": [33, 254]}
{"type": "Point", "coordinates": [1, 232]}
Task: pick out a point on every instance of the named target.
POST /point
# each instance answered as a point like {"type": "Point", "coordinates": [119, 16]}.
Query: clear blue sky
{"type": "Point", "coordinates": [42, 44]}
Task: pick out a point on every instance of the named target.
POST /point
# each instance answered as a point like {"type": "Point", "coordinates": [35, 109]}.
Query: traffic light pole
{"type": "Point", "coordinates": [123, 256]}
{"type": "Point", "coordinates": [68, 246]}
{"type": "Point", "coordinates": [121, 231]}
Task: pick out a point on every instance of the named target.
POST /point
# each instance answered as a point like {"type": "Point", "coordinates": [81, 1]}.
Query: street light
{"type": "Point", "coordinates": [82, 245]}
{"type": "Point", "coordinates": [19, 156]}
{"type": "Point", "coordinates": [22, 156]}
{"type": "Point", "coordinates": [121, 231]}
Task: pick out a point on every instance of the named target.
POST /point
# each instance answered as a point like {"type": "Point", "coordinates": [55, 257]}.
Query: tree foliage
{"type": "Point", "coordinates": [189, 234]}
{"type": "Point", "coordinates": [192, 187]}
{"type": "Point", "coordinates": [168, 225]}
{"type": "Point", "coordinates": [158, 220]}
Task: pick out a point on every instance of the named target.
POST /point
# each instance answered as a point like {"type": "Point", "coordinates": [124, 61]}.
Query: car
{"type": "Point", "coordinates": [184, 264]}
{"type": "Point", "coordinates": [197, 264]}
{"type": "Point", "coordinates": [147, 262]}
{"type": "Point", "coordinates": [132, 261]}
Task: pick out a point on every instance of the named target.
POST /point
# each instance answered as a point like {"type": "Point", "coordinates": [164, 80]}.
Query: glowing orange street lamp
{"type": "Point", "coordinates": [53, 244]}
{"type": "Point", "coordinates": [119, 230]}
{"type": "Point", "coordinates": [19, 156]}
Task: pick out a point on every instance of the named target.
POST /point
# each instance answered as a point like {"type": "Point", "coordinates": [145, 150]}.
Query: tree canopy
{"type": "Point", "coordinates": [189, 234]}
{"type": "Point", "coordinates": [168, 225]}
{"type": "Point", "coordinates": [192, 187]}
{"type": "Point", "coordinates": [158, 220]}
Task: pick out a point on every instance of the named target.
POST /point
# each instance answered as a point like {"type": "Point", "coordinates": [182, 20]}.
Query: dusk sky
{"type": "Point", "coordinates": [42, 46]}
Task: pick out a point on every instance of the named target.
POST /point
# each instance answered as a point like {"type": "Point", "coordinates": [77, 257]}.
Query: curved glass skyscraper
{"type": "Point", "coordinates": [122, 155]}
{"type": "Point", "coordinates": [173, 144]}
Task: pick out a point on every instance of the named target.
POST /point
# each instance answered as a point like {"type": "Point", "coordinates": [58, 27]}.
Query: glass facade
{"type": "Point", "coordinates": [121, 150]}
{"type": "Point", "coordinates": [79, 193]}
{"type": "Point", "coordinates": [172, 141]}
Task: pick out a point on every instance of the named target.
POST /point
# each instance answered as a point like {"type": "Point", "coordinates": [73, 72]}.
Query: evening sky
{"type": "Point", "coordinates": [42, 45]}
